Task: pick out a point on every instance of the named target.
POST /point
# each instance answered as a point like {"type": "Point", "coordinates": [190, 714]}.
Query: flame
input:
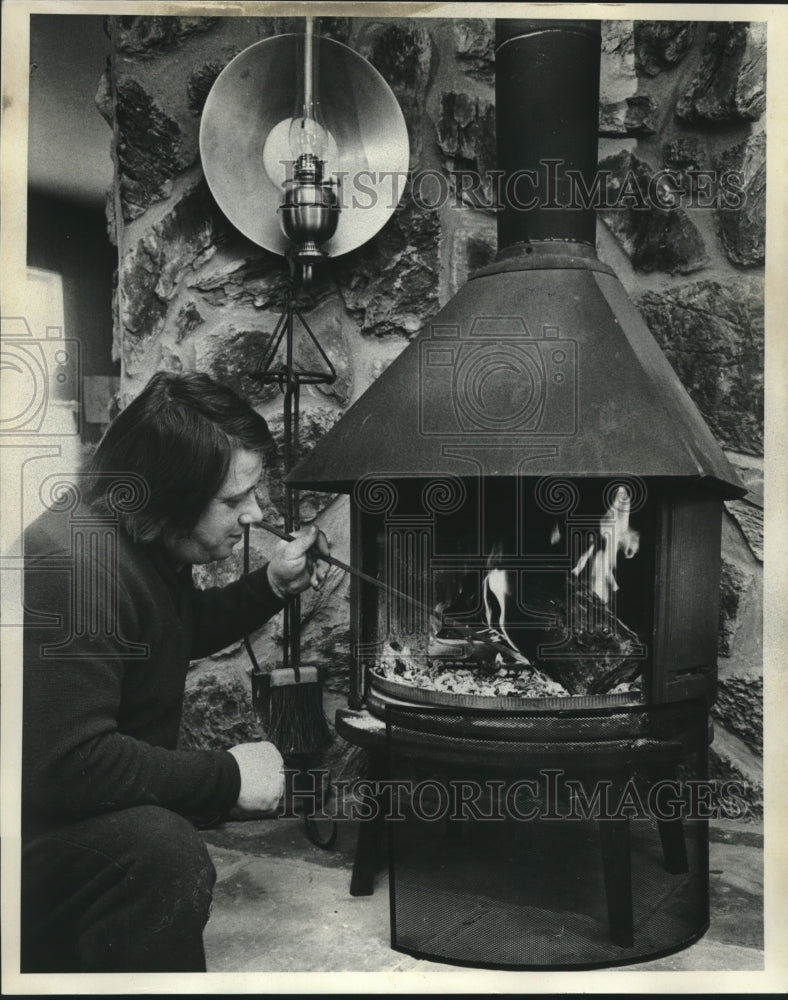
{"type": "Point", "coordinates": [581, 562]}
{"type": "Point", "coordinates": [616, 537]}
{"type": "Point", "coordinates": [496, 583]}
{"type": "Point", "coordinates": [555, 534]}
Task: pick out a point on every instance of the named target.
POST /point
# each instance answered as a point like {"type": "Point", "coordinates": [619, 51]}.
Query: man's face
{"type": "Point", "coordinates": [221, 524]}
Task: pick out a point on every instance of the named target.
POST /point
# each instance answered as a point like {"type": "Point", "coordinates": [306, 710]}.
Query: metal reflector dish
{"type": "Point", "coordinates": [368, 149]}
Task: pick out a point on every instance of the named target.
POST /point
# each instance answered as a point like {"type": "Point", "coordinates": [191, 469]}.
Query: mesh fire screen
{"type": "Point", "coordinates": [584, 854]}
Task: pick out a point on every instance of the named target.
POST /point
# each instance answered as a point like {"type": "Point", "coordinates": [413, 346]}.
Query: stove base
{"type": "Point", "coordinates": [549, 897]}
{"type": "Point", "coordinates": [539, 883]}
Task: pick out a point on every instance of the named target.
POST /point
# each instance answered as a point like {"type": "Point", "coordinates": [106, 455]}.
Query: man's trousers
{"type": "Point", "coordinates": [127, 891]}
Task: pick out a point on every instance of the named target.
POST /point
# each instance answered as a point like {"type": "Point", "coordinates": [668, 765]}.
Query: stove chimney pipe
{"type": "Point", "coordinates": [547, 114]}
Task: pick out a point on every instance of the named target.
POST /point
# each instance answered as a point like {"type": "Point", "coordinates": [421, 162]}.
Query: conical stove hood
{"type": "Point", "coordinates": [540, 365]}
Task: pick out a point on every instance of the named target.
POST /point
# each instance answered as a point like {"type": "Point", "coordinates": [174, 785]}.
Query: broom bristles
{"type": "Point", "coordinates": [296, 721]}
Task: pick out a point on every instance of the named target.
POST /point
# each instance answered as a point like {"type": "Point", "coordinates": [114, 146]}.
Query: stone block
{"type": "Point", "coordinates": [199, 85]}
{"type": "Point", "coordinates": [153, 268]}
{"type": "Point", "coordinates": [150, 36]}
{"type": "Point", "coordinates": [735, 583]}
{"type": "Point", "coordinates": [187, 319]}
{"type": "Point", "coordinates": [169, 361]}
{"type": "Point", "coordinates": [654, 238]}
{"type": "Point", "coordinates": [217, 709]}
{"type": "Point", "coordinates": [684, 153]}
{"type": "Point", "coordinates": [641, 117]}
{"type": "Point", "coordinates": [149, 148]}
{"type": "Point", "coordinates": [749, 516]}
{"type": "Point", "coordinates": [238, 277]}
{"type": "Point", "coordinates": [315, 422]}
{"type": "Point", "coordinates": [103, 99]}
{"type": "Point", "coordinates": [739, 706]}
{"type": "Point", "coordinates": [390, 285]}
{"type": "Point", "coordinates": [329, 334]}
{"type": "Point", "coordinates": [731, 762]}
{"type": "Point", "coordinates": [143, 311]}
{"type": "Point", "coordinates": [729, 84]}
{"type": "Point", "coordinates": [748, 513]}
{"type": "Point", "coordinates": [474, 40]}
{"type": "Point", "coordinates": [617, 77]}
{"type": "Point", "coordinates": [743, 224]}
{"type": "Point", "coordinates": [326, 636]}
{"type": "Point", "coordinates": [750, 472]}
{"type": "Point", "coordinates": [612, 119]}
{"type": "Point", "coordinates": [232, 354]}
{"type": "Point", "coordinates": [402, 52]}
{"type": "Point", "coordinates": [332, 650]}
{"type": "Point", "coordinates": [633, 116]}
{"type": "Point", "coordinates": [660, 45]}
{"type": "Point", "coordinates": [712, 334]}
{"type": "Point", "coordinates": [466, 137]}
{"type": "Point", "coordinates": [338, 28]}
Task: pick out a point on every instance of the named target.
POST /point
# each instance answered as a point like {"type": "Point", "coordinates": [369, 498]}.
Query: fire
{"type": "Point", "coordinates": [497, 584]}
{"type": "Point", "coordinates": [616, 537]}
{"type": "Point", "coordinates": [604, 539]}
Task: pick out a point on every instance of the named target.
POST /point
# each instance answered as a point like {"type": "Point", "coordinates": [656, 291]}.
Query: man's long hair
{"type": "Point", "coordinates": [176, 439]}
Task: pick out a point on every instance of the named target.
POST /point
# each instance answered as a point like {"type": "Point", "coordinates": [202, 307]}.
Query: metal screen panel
{"type": "Point", "coordinates": [547, 880]}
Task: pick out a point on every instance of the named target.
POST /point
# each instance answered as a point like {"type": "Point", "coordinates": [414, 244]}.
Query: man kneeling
{"type": "Point", "coordinates": [115, 876]}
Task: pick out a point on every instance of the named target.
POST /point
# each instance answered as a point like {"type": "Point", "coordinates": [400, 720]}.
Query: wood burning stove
{"type": "Point", "coordinates": [517, 594]}
{"type": "Point", "coordinates": [544, 501]}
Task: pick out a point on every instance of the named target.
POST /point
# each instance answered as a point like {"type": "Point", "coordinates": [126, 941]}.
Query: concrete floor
{"type": "Point", "coordinates": [283, 905]}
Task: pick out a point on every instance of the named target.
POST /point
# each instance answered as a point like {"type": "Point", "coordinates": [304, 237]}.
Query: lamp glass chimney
{"type": "Point", "coordinates": [308, 135]}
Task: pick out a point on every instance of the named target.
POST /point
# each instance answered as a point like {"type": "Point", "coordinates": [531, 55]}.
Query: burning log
{"type": "Point", "coordinates": [588, 650]}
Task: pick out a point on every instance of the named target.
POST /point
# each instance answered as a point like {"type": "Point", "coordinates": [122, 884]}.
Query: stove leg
{"type": "Point", "coordinates": [616, 862]}
{"type": "Point", "coordinates": [674, 847]}
{"type": "Point", "coordinates": [369, 845]}
{"type": "Point", "coordinates": [671, 832]}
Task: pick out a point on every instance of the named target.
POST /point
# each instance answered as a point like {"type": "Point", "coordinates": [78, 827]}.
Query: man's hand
{"type": "Point", "coordinates": [262, 781]}
{"type": "Point", "coordinates": [297, 565]}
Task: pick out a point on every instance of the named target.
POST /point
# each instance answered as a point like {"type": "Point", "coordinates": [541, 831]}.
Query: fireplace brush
{"type": "Point", "coordinates": [296, 725]}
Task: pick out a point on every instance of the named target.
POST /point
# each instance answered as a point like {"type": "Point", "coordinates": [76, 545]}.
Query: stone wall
{"type": "Point", "coordinates": [194, 294]}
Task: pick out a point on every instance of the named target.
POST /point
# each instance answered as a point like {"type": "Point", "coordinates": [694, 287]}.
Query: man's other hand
{"type": "Point", "coordinates": [297, 565]}
{"type": "Point", "coordinates": [262, 780]}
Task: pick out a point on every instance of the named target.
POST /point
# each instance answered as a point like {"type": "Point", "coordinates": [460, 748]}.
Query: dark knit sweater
{"type": "Point", "coordinates": [109, 632]}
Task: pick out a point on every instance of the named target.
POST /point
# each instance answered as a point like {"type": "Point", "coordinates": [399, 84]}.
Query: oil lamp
{"type": "Point", "coordinates": [309, 212]}
{"type": "Point", "coordinates": [285, 120]}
